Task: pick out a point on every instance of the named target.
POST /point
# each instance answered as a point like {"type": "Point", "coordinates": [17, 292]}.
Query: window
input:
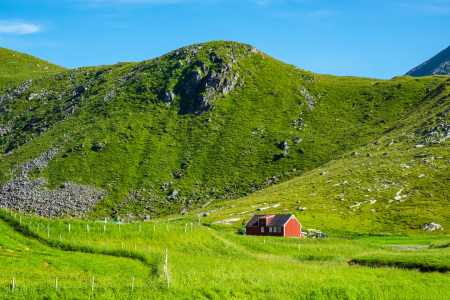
{"type": "Point", "coordinates": [262, 229]}
{"type": "Point", "coordinates": [270, 229]}
{"type": "Point", "coordinates": [279, 229]}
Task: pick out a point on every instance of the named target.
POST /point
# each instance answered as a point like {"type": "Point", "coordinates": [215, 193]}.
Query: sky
{"type": "Point", "coordinates": [366, 38]}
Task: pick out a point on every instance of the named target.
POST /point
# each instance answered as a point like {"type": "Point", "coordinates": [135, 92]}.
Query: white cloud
{"type": "Point", "coordinates": [18, 27]}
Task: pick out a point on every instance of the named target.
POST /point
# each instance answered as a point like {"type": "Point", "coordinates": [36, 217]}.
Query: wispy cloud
{"type": "Point", "coordinates": [18, 27]}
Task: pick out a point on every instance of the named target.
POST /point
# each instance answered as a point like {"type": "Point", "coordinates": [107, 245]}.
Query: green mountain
{"type": "Point", "coordinates": [202, 125]}
{"type": "Point", "coordinates": [437, 65]}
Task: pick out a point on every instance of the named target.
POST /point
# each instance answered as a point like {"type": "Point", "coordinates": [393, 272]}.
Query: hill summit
{"type": "Point", "coordinates": [437, 65]}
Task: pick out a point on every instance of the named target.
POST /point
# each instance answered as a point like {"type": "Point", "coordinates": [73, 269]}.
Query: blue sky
{"type": "Point", "coordinates": [367, 38]}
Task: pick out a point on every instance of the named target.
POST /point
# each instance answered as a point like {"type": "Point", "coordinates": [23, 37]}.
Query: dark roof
{"type": "Point", "coordinates": [254, 220]}
{"type": "Point", "coordinates": [278, 220]}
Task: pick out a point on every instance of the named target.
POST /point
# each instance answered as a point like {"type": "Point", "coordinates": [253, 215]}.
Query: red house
{"type": "Point", "coordinates": [274, 225]}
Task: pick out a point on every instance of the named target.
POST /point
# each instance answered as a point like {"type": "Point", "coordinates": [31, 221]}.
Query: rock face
{"type": "Point", "coordinates": [201, 87]}
{"type": "Point", "coordinates": [432, 226]}
{"type": "Point", "coordinates": [437, 65]}
{"type": "Point", "coordinates": [27, 194]}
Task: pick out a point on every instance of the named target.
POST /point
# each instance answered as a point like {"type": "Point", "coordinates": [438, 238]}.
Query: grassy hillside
{"type": "Point", "coordinates": [205, 263]}
{"type": "Point", "coordinates": [393, 185]}
{"type": "Point", "coordinates": [200, 125]}
{"type": "Point", "coordinates": [16, 67]}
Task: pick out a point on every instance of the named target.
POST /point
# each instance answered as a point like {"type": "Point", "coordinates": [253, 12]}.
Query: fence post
{"type": "Point", "coordinates": [48, 232]}
{"type": "Point", "coordinates": [134, 246]}
{"type": "Point", "coordinates": [92, 283]}
{"type": "Point", "coordinates": [12, 286]}
{"type": "Point", "coordinates": [38, 228]}
{"type": "Point", "coordinates": [132, 283]}
{"type": "Point", "coordinates": [56, 283]}
{"type": "Point", "coordinates": [166, 272]}
{"type": "Point", "coordinates": [60, 239]}
{"type": "Point", "coordinates": [87, 228]}
{"type": "Point", "coordinates": [89, 245]}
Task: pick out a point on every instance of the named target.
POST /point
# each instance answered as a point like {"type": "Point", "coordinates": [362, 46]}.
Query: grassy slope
{"type": "Point", "coordinates": [380, 178]}
{"type": "Point", "coordinates": [205, 263]}
{"type": "Point", "coordinates": [227, 152]}
{"type": "Point", "coordinates": [17, 67]}
{"type": "Point", "coordinates": [35, 266]}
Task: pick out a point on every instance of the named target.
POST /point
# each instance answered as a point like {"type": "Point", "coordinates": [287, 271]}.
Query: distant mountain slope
{"type": "Point", "coordinates": [16, 67]}
{"type": "Point", "coordinates": [199, 125]}
{"type": "Point", "coordinates": [437, 65]}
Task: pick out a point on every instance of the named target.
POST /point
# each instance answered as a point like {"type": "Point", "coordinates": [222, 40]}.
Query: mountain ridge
{"type": "Point", "coordinates": [437, 65]}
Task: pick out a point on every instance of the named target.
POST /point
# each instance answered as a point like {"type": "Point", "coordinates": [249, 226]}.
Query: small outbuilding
{"type": "Point", "coordinates": [274, 225]}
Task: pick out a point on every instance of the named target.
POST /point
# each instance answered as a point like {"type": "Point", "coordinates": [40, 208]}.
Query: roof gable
{"type": "Point", "coordinates": [277, 220]}
{"type": "Point", "coordinates": [254, 221]}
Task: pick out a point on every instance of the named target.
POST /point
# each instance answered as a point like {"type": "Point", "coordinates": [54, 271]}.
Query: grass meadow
{"type": "Point", "coordinates": [204, 262]}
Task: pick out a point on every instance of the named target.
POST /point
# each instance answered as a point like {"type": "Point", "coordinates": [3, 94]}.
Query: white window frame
{"type": "Point", "coordinates": [262, 229]}
{"type": "Point", "coordinates": [270, 229]}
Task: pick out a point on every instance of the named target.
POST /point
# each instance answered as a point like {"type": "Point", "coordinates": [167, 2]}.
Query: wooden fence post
{"type": "Point", "coordinates": [132, 283]}
{"type": "Point", "coordinates": [92, 283]}
{"type": "Point", "coordinates": [87, 228]}
{"type": "Point", "coordinates": [166, 272]}
{"type": "Point", "coordinates": [134, 246]}
{"type": "Point", "coordinates": [56, 283]}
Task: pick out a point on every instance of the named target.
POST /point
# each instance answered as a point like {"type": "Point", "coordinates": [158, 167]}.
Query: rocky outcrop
{"type": "Point", "coordinates": [431, 226]}
{"type": "Point", "coordinates": [30, 195]}
{"type": "Point", "coordinates": [204, 83]}
{"type": "Point", "coordinates": [308, 97]}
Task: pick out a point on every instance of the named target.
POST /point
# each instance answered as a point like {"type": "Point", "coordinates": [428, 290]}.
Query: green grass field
{"type": "Point", "coordinates": [204, 263]}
